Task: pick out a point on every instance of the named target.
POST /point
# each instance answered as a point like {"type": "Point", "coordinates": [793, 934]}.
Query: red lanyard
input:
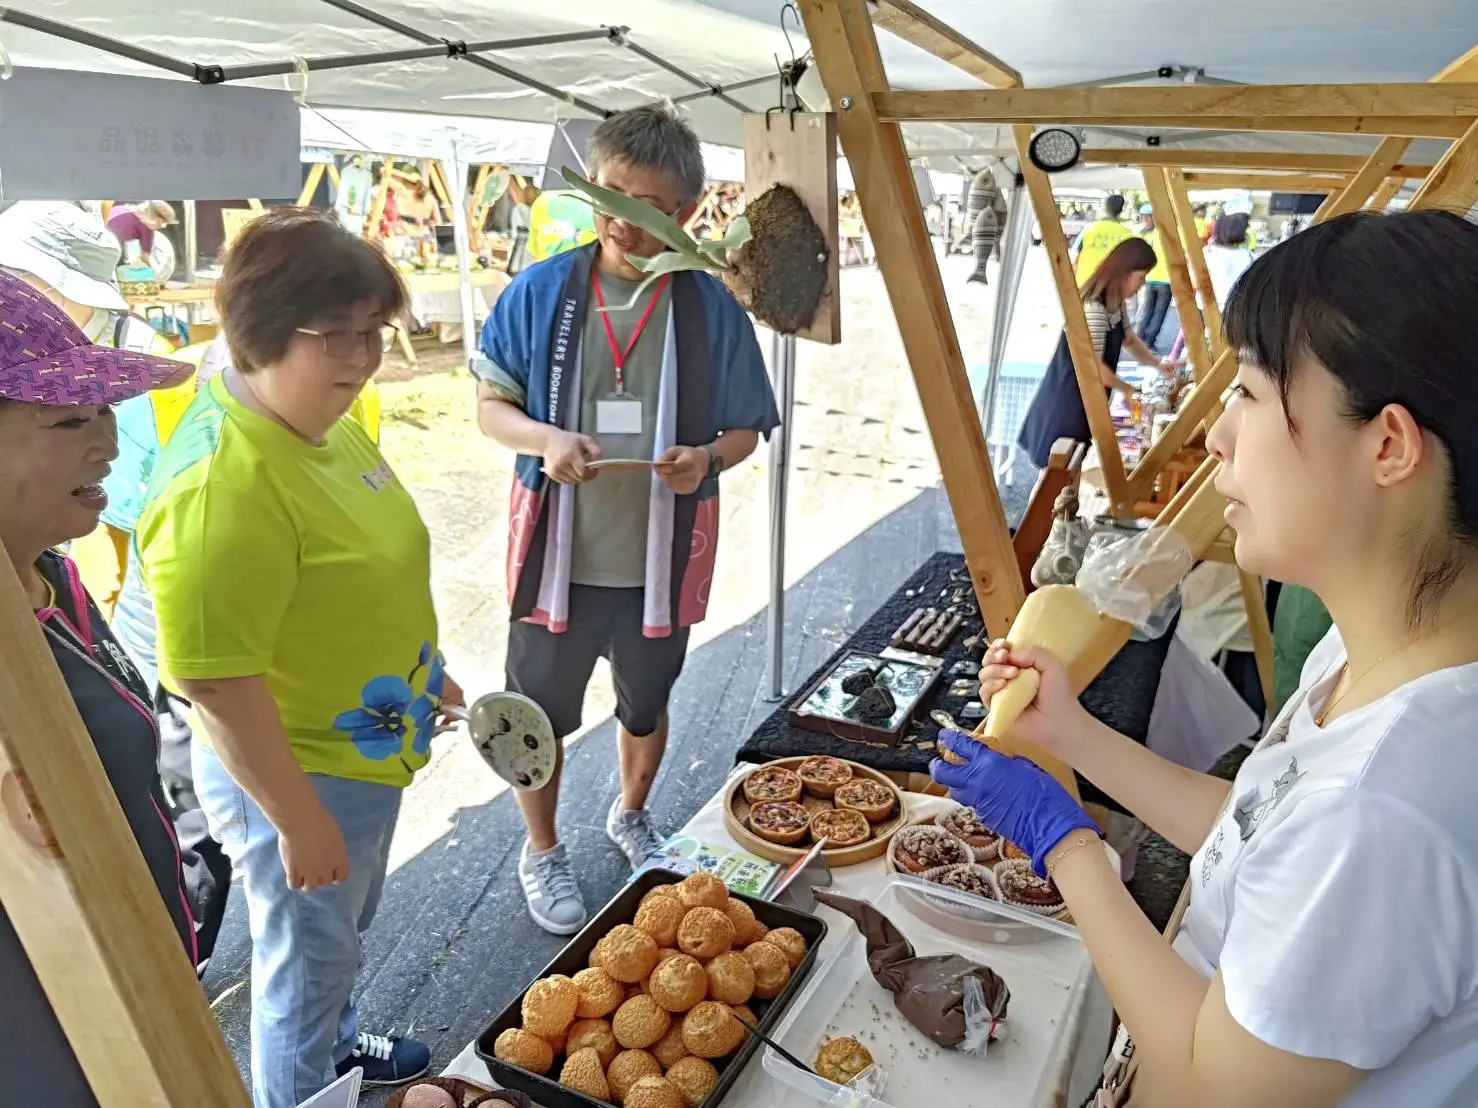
{"type": "Point", "coordinates": [619, 356]}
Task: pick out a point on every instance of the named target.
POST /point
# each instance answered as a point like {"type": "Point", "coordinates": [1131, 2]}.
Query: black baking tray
{"type": "Point", "coordinates": [576, 956]}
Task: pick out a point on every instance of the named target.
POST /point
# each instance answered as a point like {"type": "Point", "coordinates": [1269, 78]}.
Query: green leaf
{"type": "Point", "coordinates": [638, 213]}
{"type": "Point", "coordinates": [669, 261]}
{"type": "Point", "coordinates": [736, 236]}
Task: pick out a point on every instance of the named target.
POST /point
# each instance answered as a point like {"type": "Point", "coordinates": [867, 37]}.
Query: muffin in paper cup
{"type": "Point", "coordinates": [1015, 874]}
{"type": "Point", "coordinates": [908, 838]}
{"type": "Point", "coordinates": [984, 844]}
{"type": "Point", "coordinates": [969, 872]}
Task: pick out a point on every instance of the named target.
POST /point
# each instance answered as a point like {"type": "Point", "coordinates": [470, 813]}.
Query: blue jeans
{"type": "Point", "coordinates": [305, 946]}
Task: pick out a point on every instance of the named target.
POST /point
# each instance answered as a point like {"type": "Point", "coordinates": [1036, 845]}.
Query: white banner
{"type": "Point", "coordinates": [69, 135]}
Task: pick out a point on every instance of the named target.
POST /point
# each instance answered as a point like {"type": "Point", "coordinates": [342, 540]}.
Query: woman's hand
{"type": "Point", "coordinates": [452, 696]}
{"type": "Point", "coordinates": [1055, 720]}
{"type": "Point", "coordinates": [313, 851]}
{"type": "Point", "coordinates": [1011, 796]}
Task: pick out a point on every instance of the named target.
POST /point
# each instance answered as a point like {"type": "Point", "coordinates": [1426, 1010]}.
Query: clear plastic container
{"type": "Point", "coordinates": [1048, 980]}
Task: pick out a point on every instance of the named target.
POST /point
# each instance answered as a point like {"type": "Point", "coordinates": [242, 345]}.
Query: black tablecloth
{"type": "Point", "coordinates": [1122, 695]}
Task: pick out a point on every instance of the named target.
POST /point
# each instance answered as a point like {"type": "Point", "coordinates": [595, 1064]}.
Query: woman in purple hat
{"type": "Point", "coordinates": [57, 441]}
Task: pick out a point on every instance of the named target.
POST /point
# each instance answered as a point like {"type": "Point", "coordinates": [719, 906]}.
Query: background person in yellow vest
{"type": "Point", "coordinates": [1099, 238]}
{"type": "Point", "coordinates": [67, 254]}
{"type": "Point", "coordinates": [1154, 300]}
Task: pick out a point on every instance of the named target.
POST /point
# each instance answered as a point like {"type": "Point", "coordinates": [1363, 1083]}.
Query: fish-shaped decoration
{"type": "Point", "coordinates": [983, 237]}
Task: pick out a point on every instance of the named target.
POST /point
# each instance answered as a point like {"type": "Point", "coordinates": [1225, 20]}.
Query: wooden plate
{"type": "Point", "coordinates": [736, 821]}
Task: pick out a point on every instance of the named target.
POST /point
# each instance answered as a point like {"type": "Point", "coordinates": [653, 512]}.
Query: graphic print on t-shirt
{"type": "Point", "coordinates": [1249, 817]}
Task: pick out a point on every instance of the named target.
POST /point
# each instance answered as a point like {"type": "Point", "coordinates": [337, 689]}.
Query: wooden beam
{"type": "Point", "coordinates": [1192, 324]}
{"type": "Point", "coordinates": [1086, 359]}
{"type": "Point", "coordinates": [1197, 523]}
{"type": "Point", "coordinates": [1174, 157]}
{"type": "Point", "coordinates": [77, 891]}
{"type": "Point", "coordinates": [1375, 170]}
{"type": "Point", "coordinates": [1385, 194]}
{"type": "Point", "coordinates": [1453, 185]}
{"type": "Point", "coordinates": [1195, 409]}
{"type": "Point", "coordinates": [1129, 104]}
{"type": "Point", "coordinates": [1463, 69]}
{"type": "Point", "coordinates": [1268, 182]}
{"type": "Point", "coordinates": [310, 186]}
{"type": "Point", "coordinates": [914, 25]}
{"type": "Point", "coordinates": [1185, 216]}
{"type": "Point", "coordinates": [1255, 600]}
{"type": "Point", "coordinates": [846, 51]}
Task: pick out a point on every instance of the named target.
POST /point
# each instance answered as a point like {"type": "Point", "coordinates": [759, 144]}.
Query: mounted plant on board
{"type": "Point", "coordinates": [773, 258]}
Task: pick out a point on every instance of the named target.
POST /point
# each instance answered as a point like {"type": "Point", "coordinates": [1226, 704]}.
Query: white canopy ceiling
{"type": "Point", "coordinates": [727, 41]}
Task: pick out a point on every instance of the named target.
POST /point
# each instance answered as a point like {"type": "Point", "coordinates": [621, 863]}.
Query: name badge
{"type": "Point", "coordinates": [618, 415]}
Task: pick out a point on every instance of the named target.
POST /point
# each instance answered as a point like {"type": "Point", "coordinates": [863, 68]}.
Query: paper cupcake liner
{"type": "Point", "coordinates": [1051, 911]}
{"type": "Point", "coordinates": [894, 844]}
{"type": "Point", "coordinates": [954, 907]}
{"type": "Point", "coordinates": [983, 854]}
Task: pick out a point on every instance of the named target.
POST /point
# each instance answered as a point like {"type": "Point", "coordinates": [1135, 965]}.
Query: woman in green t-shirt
{"type": "Point", "coordinates": [291, 572]}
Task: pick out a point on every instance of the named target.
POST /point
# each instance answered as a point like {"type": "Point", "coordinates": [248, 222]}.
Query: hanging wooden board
{"type": "Point", "coordinates": [800, 150]}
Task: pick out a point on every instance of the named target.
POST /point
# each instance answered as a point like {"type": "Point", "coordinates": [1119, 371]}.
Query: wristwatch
{"type": "Point", "coordinates": [715, 462]}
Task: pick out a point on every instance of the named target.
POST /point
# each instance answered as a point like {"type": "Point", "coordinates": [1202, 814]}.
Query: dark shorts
{"type": "Point", "coordinates": [554, 670]}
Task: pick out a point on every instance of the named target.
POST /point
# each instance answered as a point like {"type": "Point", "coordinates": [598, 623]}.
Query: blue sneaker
{"type": "Point", "coordinates": [387, 1061]}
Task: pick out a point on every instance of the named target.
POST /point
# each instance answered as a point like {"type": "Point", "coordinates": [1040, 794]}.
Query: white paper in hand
{"type": "Point", "coordinates": [343, 1093]}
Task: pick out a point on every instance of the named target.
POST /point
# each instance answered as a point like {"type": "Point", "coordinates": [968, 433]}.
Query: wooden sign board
{"type": "Point", "coordinates": [803, 156]}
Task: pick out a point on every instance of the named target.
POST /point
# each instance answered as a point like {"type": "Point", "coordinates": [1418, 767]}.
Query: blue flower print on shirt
{"type": "Point", "coordinates": [391, 707]}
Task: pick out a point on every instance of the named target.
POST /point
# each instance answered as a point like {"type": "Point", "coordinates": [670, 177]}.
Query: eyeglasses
{"type": "Point", "coordinates": [345, 345]}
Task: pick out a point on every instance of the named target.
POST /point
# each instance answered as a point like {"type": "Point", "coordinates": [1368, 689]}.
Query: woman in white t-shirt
{"type": "Point", "coordinates": [1227, 255]}
{"type": "Point", "coordinates": [1329, 954]}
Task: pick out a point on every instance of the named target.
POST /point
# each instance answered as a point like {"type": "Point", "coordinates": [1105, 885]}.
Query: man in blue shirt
{"type": "Point", "coordinates": [670, 380]}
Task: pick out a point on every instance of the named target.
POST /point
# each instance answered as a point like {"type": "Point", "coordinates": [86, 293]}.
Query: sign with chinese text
{"type": "Point", "coordinates": [68, 135]}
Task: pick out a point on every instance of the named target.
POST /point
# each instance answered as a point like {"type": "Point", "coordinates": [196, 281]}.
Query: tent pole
{"type": "Point", "coordinates": [1013, 264]}
{"type": "Point", "coordinates": [676, 71]}
{"type": "Point", "coordinates": [379, 20]}
{"type": "Point", "coordinates": [99, 42]}
{"type": "Point", "coordinates": [719, 90]}
{"type": "Point", "coordinates": [192, 242]}
{"type": "Point", "coordinates": [462, 236]}
{"type": "Point", "coordinates": [782, 373]}
{"type": "Point", "coordinates": [449, 49]}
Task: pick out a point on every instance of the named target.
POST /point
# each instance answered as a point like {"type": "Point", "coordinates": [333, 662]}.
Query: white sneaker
{"type": "Point", "coordinates": [632, 832]}
{"type": "Point", "coordinates": [551, 891]}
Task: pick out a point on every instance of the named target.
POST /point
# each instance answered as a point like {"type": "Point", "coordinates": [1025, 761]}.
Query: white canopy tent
{"type": "Point", "coordinates": [717, 58]}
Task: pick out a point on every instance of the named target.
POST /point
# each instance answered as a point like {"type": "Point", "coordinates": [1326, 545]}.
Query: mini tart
{"type": "Point", "coordinates": [917, 850]}
{"type": "Point", "coordinates": [780, 821]}
{"type": "Point", "coordinates": [841, 827]}
{"type": "Point", "coordinates": [1010, 852]}
{"type": "Point", "coordinates": [1020, 886]}
{"type": "Point", "coordinates": [872, 798]}
{"type": "Point", "coordinates": [772, 783]}
{"type": "Point", "coordinates": [822, 776]}
{"type": "Point", "coordinates": [965, 825]}
{"type": "Point", "coordinates": [971, 878]}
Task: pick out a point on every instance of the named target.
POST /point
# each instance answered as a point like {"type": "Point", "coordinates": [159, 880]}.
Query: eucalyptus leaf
{"type": "Point", "coordinates": [638, 213]}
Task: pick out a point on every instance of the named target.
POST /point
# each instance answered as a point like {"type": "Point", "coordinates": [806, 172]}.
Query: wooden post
{"type": "Point", "coordinates": [1202, 405]}
{"type": "Point", "coordinates": [1453, 184]}
{"type": "Point", "coordinates": [1385, 194]}
{"type": "Point", "coordinates": [86, 909]}
{"type": "Point", "coordinates": [377, 202]}
{"type": "Point", "coordinates": [1255, 600]}
{"type": "Point", "coordinates": [1086, 359]}
{"type": "Point", "coordinates": [1185, 215]}
{"type": "Point", "coordinates": [310, 186]}
{"type": "Point", "coordinates": [1157, 185]}
{"type": "Point", "coordinates": [852, 70]}
{"type": "Point", "coordinates": [1376, 167]}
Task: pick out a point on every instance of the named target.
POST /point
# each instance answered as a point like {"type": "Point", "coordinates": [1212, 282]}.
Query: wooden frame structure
{"type": "Point", "coordinates": [870, 113]}
{"type": "Point", "coordinates": [79, 895]}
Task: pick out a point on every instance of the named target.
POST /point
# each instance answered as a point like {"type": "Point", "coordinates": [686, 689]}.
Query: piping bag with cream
{"type": "Point", "coordinates": [940, 994]}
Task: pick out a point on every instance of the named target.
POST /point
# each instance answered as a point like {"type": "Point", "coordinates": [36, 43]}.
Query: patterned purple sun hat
{"type": "Point", "coordinates": [46, 359]}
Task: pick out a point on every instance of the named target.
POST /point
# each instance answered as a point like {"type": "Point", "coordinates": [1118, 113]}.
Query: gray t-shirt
{"type": "Point", "coordinates": [610, 542]}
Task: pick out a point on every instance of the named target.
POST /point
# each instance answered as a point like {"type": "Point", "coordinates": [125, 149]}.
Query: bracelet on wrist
{"type": "Point", "coordinates": [1066, 849]}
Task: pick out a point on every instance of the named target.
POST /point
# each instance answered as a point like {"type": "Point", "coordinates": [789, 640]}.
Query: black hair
{"type": "Point", "coordinates": [1114, 206]}
{"type": "Point", "coordinates": [1385, 304]}
{"type": "Point", "coordinates": [1230, 230]}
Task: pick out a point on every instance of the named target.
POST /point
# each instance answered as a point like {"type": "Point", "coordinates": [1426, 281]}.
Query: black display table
{"type": "Point", "coordinates": [1122, 696]}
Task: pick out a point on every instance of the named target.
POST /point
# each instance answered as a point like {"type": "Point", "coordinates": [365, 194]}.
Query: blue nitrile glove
{"type": "Point", "coordinates": [1012, 796]}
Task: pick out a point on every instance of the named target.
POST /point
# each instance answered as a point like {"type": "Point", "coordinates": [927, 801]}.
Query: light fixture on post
{"type": "Point", "coordinates": [1054, 149]}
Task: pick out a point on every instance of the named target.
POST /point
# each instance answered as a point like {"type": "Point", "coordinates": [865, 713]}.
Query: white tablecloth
{"type": "Point", "coordinates": [1077, 1068]}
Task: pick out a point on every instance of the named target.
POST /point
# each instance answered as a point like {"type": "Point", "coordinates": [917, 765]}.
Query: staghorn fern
{"type": "Point", "coordinates": [684, 252]}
